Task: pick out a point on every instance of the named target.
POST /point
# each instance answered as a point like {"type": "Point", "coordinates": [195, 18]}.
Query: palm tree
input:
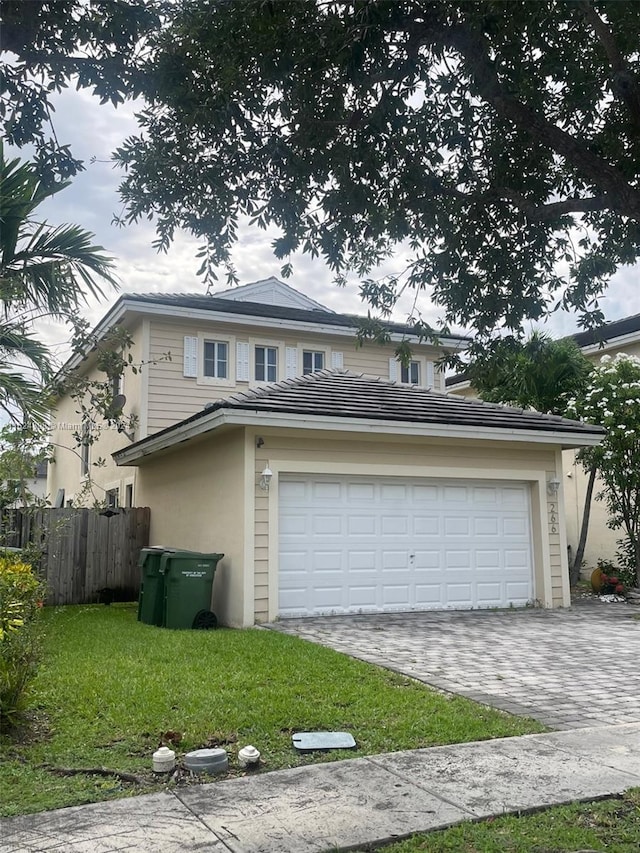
{"type": "Point", "coordinates": [44, 271]}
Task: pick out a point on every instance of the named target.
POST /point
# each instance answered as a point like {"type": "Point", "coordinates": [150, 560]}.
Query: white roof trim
{"type": "Point", "coordinates": [284, 420]}
{"type": "Point", "coordinates": [611, 343]}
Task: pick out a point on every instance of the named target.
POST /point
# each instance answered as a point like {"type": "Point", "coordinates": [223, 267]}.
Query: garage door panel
{"type": "Point", "coordinates": [395, 525]}
{"type": "Point", "coordinates": [514, 498]}
{"type": "Point", "coordinates": [427, 560]}
{"type": "Point", "coordinates": [429, 596]}
{"type": "Point", "coordinates": [425, 494]}
{"type": "Point", "coordinates": [396, 595]}
{"type": "Point", "coordinates": [489, 594]}
{"type": "Point", "coordinates": [363, 596]}
{"type": "Point", "coordinates": [425, 525]}
{"type": "Point", "coordinates": [516, 559]}
{"type": "Point", "coordinates": [327, 525]}
{"type": "Point", "coordinates": [456, 526]}
{"type": "Point", "coordinates": [361, 492]}
{"type": "Point", "coordinates": [358, 545]}
{"type": "Point", "coordinates": [361, 561]}
{"type": "Point", "coordinates": [514, 527]}
{"type": "Point", "coordinates": [518, 593]}
{"type": "Point", "coordinates": [459, 594]}
{"type": "Point", "coordinates": [362, 525]}
{"type": "Point", "coordinates": [486, 526]}
{"type": "Point", "coordinates": [456, 560]}
{"type": "Point", "coordinates": [294, 525]}
{"type": "Point", "coordinates": [293, 490]}
{"type": "Point", "coordinates": [327, 491]}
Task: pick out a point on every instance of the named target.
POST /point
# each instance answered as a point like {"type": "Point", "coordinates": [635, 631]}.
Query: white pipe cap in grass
{"type": "Point", "coordinates": [164, 760]}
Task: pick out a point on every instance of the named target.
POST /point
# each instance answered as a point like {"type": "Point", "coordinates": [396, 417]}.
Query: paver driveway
{"type": "Point", "coordinates": [569, 669]}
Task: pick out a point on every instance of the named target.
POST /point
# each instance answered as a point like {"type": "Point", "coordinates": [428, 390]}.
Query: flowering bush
{"type": "Point", "coordinates": [21, 594]}
{"type": "Point", "coordinates": [613, 401]}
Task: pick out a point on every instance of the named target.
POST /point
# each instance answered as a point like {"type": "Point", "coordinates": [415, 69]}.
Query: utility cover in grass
{"type": "Point", "coordinates": [307, 741]}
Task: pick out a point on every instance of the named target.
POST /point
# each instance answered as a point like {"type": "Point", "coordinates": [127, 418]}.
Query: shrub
{"type": "Point", "coordinates": [21, 594]}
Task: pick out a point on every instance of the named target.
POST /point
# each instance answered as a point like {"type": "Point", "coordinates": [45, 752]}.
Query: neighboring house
{"type": "Point", "coordinates": [610, 339]}
{"type": "Point", "coordinates": [196, 349]}
{"type": "Point", "coordinates": [333, 479]}
{"type": "Point", "coordinates": [35, 487]}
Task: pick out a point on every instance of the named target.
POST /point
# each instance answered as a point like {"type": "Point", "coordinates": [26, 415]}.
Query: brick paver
{"type": "Point", "coordinates": [569, 669]}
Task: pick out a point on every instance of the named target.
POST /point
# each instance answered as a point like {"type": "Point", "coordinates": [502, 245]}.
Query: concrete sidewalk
{"type": "Point", "coordinates": [346, 804]}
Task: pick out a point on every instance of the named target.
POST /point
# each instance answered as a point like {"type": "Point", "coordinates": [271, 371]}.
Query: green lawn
{"type": "Point", "coordinates": [109, 687]}
{"type": "Point", "coordinates": [609, 825]}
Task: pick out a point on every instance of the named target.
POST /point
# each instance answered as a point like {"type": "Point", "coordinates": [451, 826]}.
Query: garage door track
{"type": "Point", "coordinates": [568, 669]}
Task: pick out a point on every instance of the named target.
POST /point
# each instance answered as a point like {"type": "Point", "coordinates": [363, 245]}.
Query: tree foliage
{"type": "Point", "coordinates": [48, 45]}
{"type": "Point", "coordinates": [541, 373]}
{"type": "Point", "coordinates": [497, 142]}
{"type": "Point", "coordinates": [612, 400]}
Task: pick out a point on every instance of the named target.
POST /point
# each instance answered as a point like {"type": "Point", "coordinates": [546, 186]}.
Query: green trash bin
{"type": "Point", "coordinates": [188, 584]}
{"type": "Point", "coordinates": [151, 599]}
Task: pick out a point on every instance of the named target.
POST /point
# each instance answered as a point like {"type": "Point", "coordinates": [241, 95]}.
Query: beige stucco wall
{"type": "Point", "coordinates": [196, 494]}
{"type": "Point", "coordinates": [66, 470]}
{"type": "Point", "coordinates": [172, 396]}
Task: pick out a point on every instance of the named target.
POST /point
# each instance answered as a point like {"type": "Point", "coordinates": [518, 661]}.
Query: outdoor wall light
{"type": "Point", "coordinates": [553, 485]}
{"type": "Point", "coordinates": [265, 479]}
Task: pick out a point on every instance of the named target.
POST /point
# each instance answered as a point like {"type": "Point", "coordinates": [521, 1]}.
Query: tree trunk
{"type": "Point", "coordinates": [574, 572]}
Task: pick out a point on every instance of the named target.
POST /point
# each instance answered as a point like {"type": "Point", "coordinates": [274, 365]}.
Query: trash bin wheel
{"type": "Point", "coordinates": [205, 620]}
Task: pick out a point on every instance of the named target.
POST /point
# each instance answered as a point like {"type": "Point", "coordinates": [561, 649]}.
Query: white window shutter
{"type": "Point", "coordinates": [190, 366]}
{"type": "Point", "coordinates": [242, 361]}
{"type": "Point", "coordinates": [337, 360]}
{"type": "Point", "coordinates": [431, 375]}
{"type": "Point", "coordinates": [393, 370]}
{"type": "Point", "coordinates": [291, 362]}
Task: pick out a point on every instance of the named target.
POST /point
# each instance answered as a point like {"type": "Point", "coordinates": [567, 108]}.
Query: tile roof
{"type": "Point", "coordinates": [259, 309]}
{"type": "Point", "coordinates": [342, 394]}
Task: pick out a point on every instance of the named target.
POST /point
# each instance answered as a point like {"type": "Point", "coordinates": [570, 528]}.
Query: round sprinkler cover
{"type": "Point", "coordinates": [207, 761]}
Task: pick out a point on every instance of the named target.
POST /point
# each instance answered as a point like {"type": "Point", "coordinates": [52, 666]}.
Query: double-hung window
{"type": "Point", "coordinates": [312, 361]}
{"type": "Point", "coordinates": [266, 364]}
{"type": "Point", "coordinates": [216, 359]}
{"type": "Point", "coordinates": [410, 374]}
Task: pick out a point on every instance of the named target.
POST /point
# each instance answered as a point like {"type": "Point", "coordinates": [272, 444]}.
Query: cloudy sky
{"type": "Point", "coordinates": [94, 131]}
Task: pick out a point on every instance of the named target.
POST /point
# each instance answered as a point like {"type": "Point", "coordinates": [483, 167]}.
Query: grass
{"type": "Point", "coordinates": [611, 825]}
{"type": "Point", "coordinates": [110, 687]}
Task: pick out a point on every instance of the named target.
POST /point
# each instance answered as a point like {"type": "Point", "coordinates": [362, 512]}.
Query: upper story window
{"type": "Point", "coordinates": [410, 374]}
{"type": "Point", "coordinates": [312, 361]}
{"type": "Point", "coordinates": [216, 359]}
{"type": "Point", "coordinates": [266, 364]}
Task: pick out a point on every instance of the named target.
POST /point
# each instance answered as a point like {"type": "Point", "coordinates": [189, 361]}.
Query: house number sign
{"type": "Point", "coordinates": [553, 518]}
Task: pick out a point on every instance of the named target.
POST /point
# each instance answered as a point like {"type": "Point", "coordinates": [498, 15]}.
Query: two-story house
{"type": "Point", "coordinates": [334, 478]}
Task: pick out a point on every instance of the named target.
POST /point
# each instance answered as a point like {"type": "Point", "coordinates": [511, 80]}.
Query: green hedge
{"type": "Point", "coordinates": [21, 597]}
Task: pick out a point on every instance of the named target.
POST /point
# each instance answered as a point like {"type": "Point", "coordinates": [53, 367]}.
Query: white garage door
{"type": "Point", "coordinates": [352, 545]}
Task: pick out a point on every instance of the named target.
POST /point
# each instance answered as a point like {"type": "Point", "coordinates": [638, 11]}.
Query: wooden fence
{"type": "Point", "coordinates": [86, 556]}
